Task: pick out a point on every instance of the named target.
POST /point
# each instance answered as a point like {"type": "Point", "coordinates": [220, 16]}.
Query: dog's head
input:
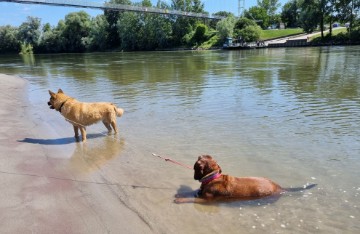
{"type": "Point", "coordinates": [204, 166]}
{"type": "Point", "coordinates": [57, 99]}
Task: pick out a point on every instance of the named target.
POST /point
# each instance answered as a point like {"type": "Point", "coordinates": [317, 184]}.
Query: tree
{"type": "Point", "coordinates": [200, 34]}
{"type": "Point", "coordinates": [314, 12]}
{"type": "Point", "coordinates": [290, 13]}
{"type": "Point", "coordinates": [188, 5]}
{"type": "Point", "coordinates": [223, 13]}
{"type": "Point", "coordinates": [183, 27]}
{"type": "Point", "coordinates": [346, 11]}
{"type": "Point", "coordinates": [250, 33]}
{"type": "Point", "coordinates": [29, 31]}
{"type": "Point", "coordinates": [130, 30]}
{"type": "Point", "coordinates": [225, 27]}
{"type": "Point", "coordinates": [247, 29]}
{"type": "Point", "coordinates": [155, 30]}
{"type": "Point", "coordinates": [8, 39]}
{"type": "Point", "coordinates": [76, 31]}
{"type": "Point", "coordinates": [98, 33]}
{"type": "Point", "coordinates": [50, 41]}
{"type": "Point", "coordinates": [309, 17]}
{"type": "Point", "coordinates": [260, 15]}
{"type": "Point", "coordinates": [112, 17]}
{"type": "Point", "coordinates": [270, 6]}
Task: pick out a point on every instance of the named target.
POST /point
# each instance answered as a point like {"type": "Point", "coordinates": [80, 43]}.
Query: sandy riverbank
{"type": "Point", "coordinates": [40, 192]}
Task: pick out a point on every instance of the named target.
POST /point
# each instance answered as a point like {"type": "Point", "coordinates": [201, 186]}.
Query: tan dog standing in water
{"type": "Point", "coordinates": [82, 114]}
{"type": "Point", "coordinates": [218, 187]}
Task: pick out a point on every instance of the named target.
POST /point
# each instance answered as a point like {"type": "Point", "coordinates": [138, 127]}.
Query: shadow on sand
{"type": "Point", "coordinates": [58, 141]}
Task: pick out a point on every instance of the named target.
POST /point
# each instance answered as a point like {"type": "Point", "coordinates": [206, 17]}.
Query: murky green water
{"type": "Point", "coordinates": [292, 115]}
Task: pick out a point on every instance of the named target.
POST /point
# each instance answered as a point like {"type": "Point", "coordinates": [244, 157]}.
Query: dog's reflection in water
{"type": "Point", "coordinates": [91, 157]}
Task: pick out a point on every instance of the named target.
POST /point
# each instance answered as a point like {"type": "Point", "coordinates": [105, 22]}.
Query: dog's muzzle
{"type": "Point", "coordinates": [50, 105]}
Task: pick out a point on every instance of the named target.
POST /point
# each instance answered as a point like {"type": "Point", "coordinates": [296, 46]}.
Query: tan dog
{"type": "Point", "coordinates": [215, 186]}
{"type": "Point", "coordinates": [81, 114]}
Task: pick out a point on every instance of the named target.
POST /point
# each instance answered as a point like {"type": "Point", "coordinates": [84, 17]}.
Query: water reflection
{"type": "Point", "coordinates": [94, 155]}
{"type": "Point", "coordinates": [28, 59]}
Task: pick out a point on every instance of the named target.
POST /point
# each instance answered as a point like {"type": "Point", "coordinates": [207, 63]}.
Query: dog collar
{"type": "Point", "coordinates": [63, 104]}
{"type": "Point", "coordinates": [208, 179]}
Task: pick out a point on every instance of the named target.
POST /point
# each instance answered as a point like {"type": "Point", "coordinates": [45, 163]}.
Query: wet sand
{"type": "Point", "coordinates": [40, 192]}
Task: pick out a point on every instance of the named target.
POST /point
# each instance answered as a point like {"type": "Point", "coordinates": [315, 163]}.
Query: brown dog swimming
{"type": "Point", "coordinates": [218, 187]}
{"type": "Point", "coordinates": [82, 114]}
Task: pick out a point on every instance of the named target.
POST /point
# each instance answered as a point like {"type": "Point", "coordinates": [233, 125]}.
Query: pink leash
{"type": "Point", "coordinates": [173, 161]}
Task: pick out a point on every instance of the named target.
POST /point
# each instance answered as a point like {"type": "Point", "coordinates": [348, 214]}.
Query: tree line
{"type": "Point", "coordinates": [131, 31]}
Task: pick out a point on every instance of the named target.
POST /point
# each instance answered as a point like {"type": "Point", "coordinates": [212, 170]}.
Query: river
{"type": "Point", "coordinates": [289, 114]}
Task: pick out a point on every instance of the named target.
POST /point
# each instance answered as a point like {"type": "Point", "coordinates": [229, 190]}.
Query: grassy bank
{"type": "Point", "coordinates": [335, 32]}
{"type": "Point", "coordinates": [276, 33]}
{"type": "Point", "coordinates": [214, 41]}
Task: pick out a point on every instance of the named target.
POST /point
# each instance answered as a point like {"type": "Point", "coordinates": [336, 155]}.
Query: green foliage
{"type": "Point", "coordinates": [225, 27]}
{"type": "Point", "coordinates": [183, 27]}
{"type": "Point", "coordinates": [224, 14]}
{"type": "Point", "coordinates": [199, 35]}
{"type": "Point", "coordinates": [290, 14]}
{"type": "Point", "coordinates": [249, 33]}
{"type": "Point", "coordinates": [213, 41]}
{"type": "Point", "coordinates": [355, 35]}
{"type": "Point", "coordinates": [98, 33]}
{"type": "Point", "coordinates": [247, 29]}
{"type": "Point", "coordinates": [8, 39]}
{"type": "Point", "coordinates": [129, 30]}
{"type": "Point", "coordinates": [79, 32]}
{"type": "Point", "coordinates": [112, 17]}
{"type": "Point", "coordinates": [243, 23]}
{"type": "Point", "coordinates": [309, 19]}
{"type": "Point", "coordinates": [51, 40]}
{"type": "Point", "coordinates": [26, 48]}
{"type": "Point", "coordinates": [260, 14]}
{"type": "Point", "coordinates": [270, 6]}
{"type": "Point", "coordinates": [29, 31]}
{"type": "Point", "coordinates": [77, 28]}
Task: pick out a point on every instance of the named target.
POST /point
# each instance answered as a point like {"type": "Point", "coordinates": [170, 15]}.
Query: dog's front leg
{"type": "Point", "coordinates": [76, 130]}
{"type": "Point", "coordinates": [180, 200]}
{"type": "Point", "coordinates": [83, 133]}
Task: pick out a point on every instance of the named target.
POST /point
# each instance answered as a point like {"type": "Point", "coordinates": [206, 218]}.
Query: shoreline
{"type": "Point", "coordinates": [44, 187]}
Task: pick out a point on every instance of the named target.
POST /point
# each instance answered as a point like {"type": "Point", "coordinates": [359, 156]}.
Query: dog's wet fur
{"type": "Point", "coordinates": [82, 114]}
{"type": "Point", "coordinates": [228, 188]}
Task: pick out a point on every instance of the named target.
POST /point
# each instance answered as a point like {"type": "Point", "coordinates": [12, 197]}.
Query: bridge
{"type": "Point", "coordinates": [115, 7]}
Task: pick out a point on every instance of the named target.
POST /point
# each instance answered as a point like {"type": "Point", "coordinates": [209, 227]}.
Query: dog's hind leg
{"type": "Point", "coordinates": [76, 130]}
{"type": "Point", "coordinates": [83, 133]}
{"type": "Point", "coordinates": [107, 125]}
{"type": "Point", "coordinates": [113, 125]}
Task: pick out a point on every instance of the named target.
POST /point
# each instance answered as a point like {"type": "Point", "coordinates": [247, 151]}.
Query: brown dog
{"type": "Point", "coordinates": [81, 114]}
{"type": "Point", "coordinates": [215, 186]}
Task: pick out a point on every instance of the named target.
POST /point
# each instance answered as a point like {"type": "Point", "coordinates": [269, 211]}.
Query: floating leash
{"type": "Point", "coordinates": [173, 161]}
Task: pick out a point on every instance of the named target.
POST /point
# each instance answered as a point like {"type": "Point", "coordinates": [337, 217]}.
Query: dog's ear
{"type": "Point", "coordinates": [219, 168]}
{"type": "Point", "coordinates": [52, 94]}
{"type": "Point", "coordinates": [199, 168]}
{"type": "Point", "coordinates": [60, 91]}
{"type": "Point", "coordinates": [211, 165]}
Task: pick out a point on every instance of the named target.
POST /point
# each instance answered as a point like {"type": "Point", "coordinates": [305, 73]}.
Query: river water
{"type": "Point", "coordinates": [289, 114]}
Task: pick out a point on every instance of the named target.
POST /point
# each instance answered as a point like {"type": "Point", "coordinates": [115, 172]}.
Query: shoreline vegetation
{"type": "Point", "coordinates": [115, 31]}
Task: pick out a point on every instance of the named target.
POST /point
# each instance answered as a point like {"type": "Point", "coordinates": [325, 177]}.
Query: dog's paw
{"type": "Point", "coordinates": [183, 200]}
{"type": "Point", "coordinates": [179, 200]}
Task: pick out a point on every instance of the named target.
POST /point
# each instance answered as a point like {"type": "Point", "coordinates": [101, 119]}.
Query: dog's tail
{"type": "Point", "coordinates": [119, 112]}
{"type": "Point", "coordinates": [298, 189]}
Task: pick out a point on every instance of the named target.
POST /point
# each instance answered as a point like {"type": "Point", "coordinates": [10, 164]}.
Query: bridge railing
{"type": "Point", "coordinates": [116, 7]}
